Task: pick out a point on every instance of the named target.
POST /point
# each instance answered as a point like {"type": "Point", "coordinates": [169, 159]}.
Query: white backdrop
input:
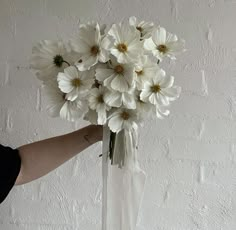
{"type": "Point", "coordinates": [189, 157]}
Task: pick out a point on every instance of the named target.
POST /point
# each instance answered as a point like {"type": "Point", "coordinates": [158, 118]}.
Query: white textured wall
{"type": "Point", "coordinates": [189, 157]}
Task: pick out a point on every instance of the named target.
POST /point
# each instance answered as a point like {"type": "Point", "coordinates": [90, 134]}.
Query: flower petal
{"type": "Point", "coordinates": [102, 73]}
{"type": "Point", "coordinates": [167, 82]}
{"type": "Point", "coordinates": [86, 61]}
{"type": "Point", "coordinates": [113, 99]}
{"type": "Point", "coordinates": [102, 116]}
{"type": "Point", "coordinates": [133, 21]}
{"type": "Point", "coordinates": [120, 84]}
{"type": "Point", "coordinates": [71, 72]}
{"type": "Point", "coordinates": [149, 44]}
{"type": "Point", "coordinates": [145, 94]}
{"type": "Point", "coordinates": [115, 124]}
{"type": "Point", "coordinates": [64, 83]}
{"type": "Point", "coordinates": [173, 93]}
{"type": "Point", "coordinates": [129, 101]}
{"type": "Point", "coordinates": [159, 36]}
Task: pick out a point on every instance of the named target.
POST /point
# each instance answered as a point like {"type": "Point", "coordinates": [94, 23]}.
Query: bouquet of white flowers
{"type": "Point", "coordinates": [111, 77]}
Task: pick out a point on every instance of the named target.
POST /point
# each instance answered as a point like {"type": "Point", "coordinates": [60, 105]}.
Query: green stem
{"type": "Point", "coordinates": [66, 62]}
{"type": "Point", "coordinates": [112, 145]}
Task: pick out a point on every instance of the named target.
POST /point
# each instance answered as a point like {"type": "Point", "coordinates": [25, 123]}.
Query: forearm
{"type": "Point", "coordinates": [39, 158]}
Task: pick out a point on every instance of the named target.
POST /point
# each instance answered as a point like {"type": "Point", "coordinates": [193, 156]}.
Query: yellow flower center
{"type": "Point", "coordinates": [124, 115]}
{"type": "Point", "coordinates": [162, 48]}
{"type": "Point", "coordinates": [119, 69]}
{"type": "Point", "coordinates": [100, 99]}
{"type": "Point", "coordinates": [139, 73]}
{"type": "Point", "coordinates": [76, 82]}
{"type": "Point", "coordinates": [156, 88]}
{"type": "Point", "coordinates": [122, 47]}
{"type": "Point", "coordinates": [94, 50]}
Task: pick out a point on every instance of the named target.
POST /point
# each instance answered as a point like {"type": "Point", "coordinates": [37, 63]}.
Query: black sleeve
{"type": "Point", "coordinates": [10, 163]}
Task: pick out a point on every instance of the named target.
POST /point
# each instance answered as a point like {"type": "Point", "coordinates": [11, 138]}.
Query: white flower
{"type": "Point", "coordinates": [91, 116]}
{"type": "Point", "coordinates": [161, 111]}
{"type": "Point", "coordinates": [91, 46]}
{"type": "Point", "coordinates": [145, 28]}
{"type": "Point", "coordinates": [96, 102]}
{"type": "Point", "coordinates": [55, 98]}
{"type": "Point", "coordinates": [117, 99]}
{"type": "Point", "coordinates": [160, 90]}
{"type": "Point", "coordinates": [75, 83]}
{"type": "Point", "coordinates": [163, 43]}
{"type": "Point", "coordinates": [49, 58]}
{"type": "Point", "coordinates": [126, 43]}
{"type": "Point", "coordinates": [116, 76]}
{"type": "Point", "coordinates": [59, 105]}
{"type": "Point", "coordinates": [144, 109]}
{"type": "Point", "coordinates": [73, 110]}
{"type": "Point", "coordinates": [123, 119]}
{"type": "Point", "coordinates": [144, 70]}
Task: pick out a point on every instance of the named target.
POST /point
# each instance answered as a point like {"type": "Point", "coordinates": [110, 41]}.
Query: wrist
{"type": "Point", "coordinates": [95, 133]}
